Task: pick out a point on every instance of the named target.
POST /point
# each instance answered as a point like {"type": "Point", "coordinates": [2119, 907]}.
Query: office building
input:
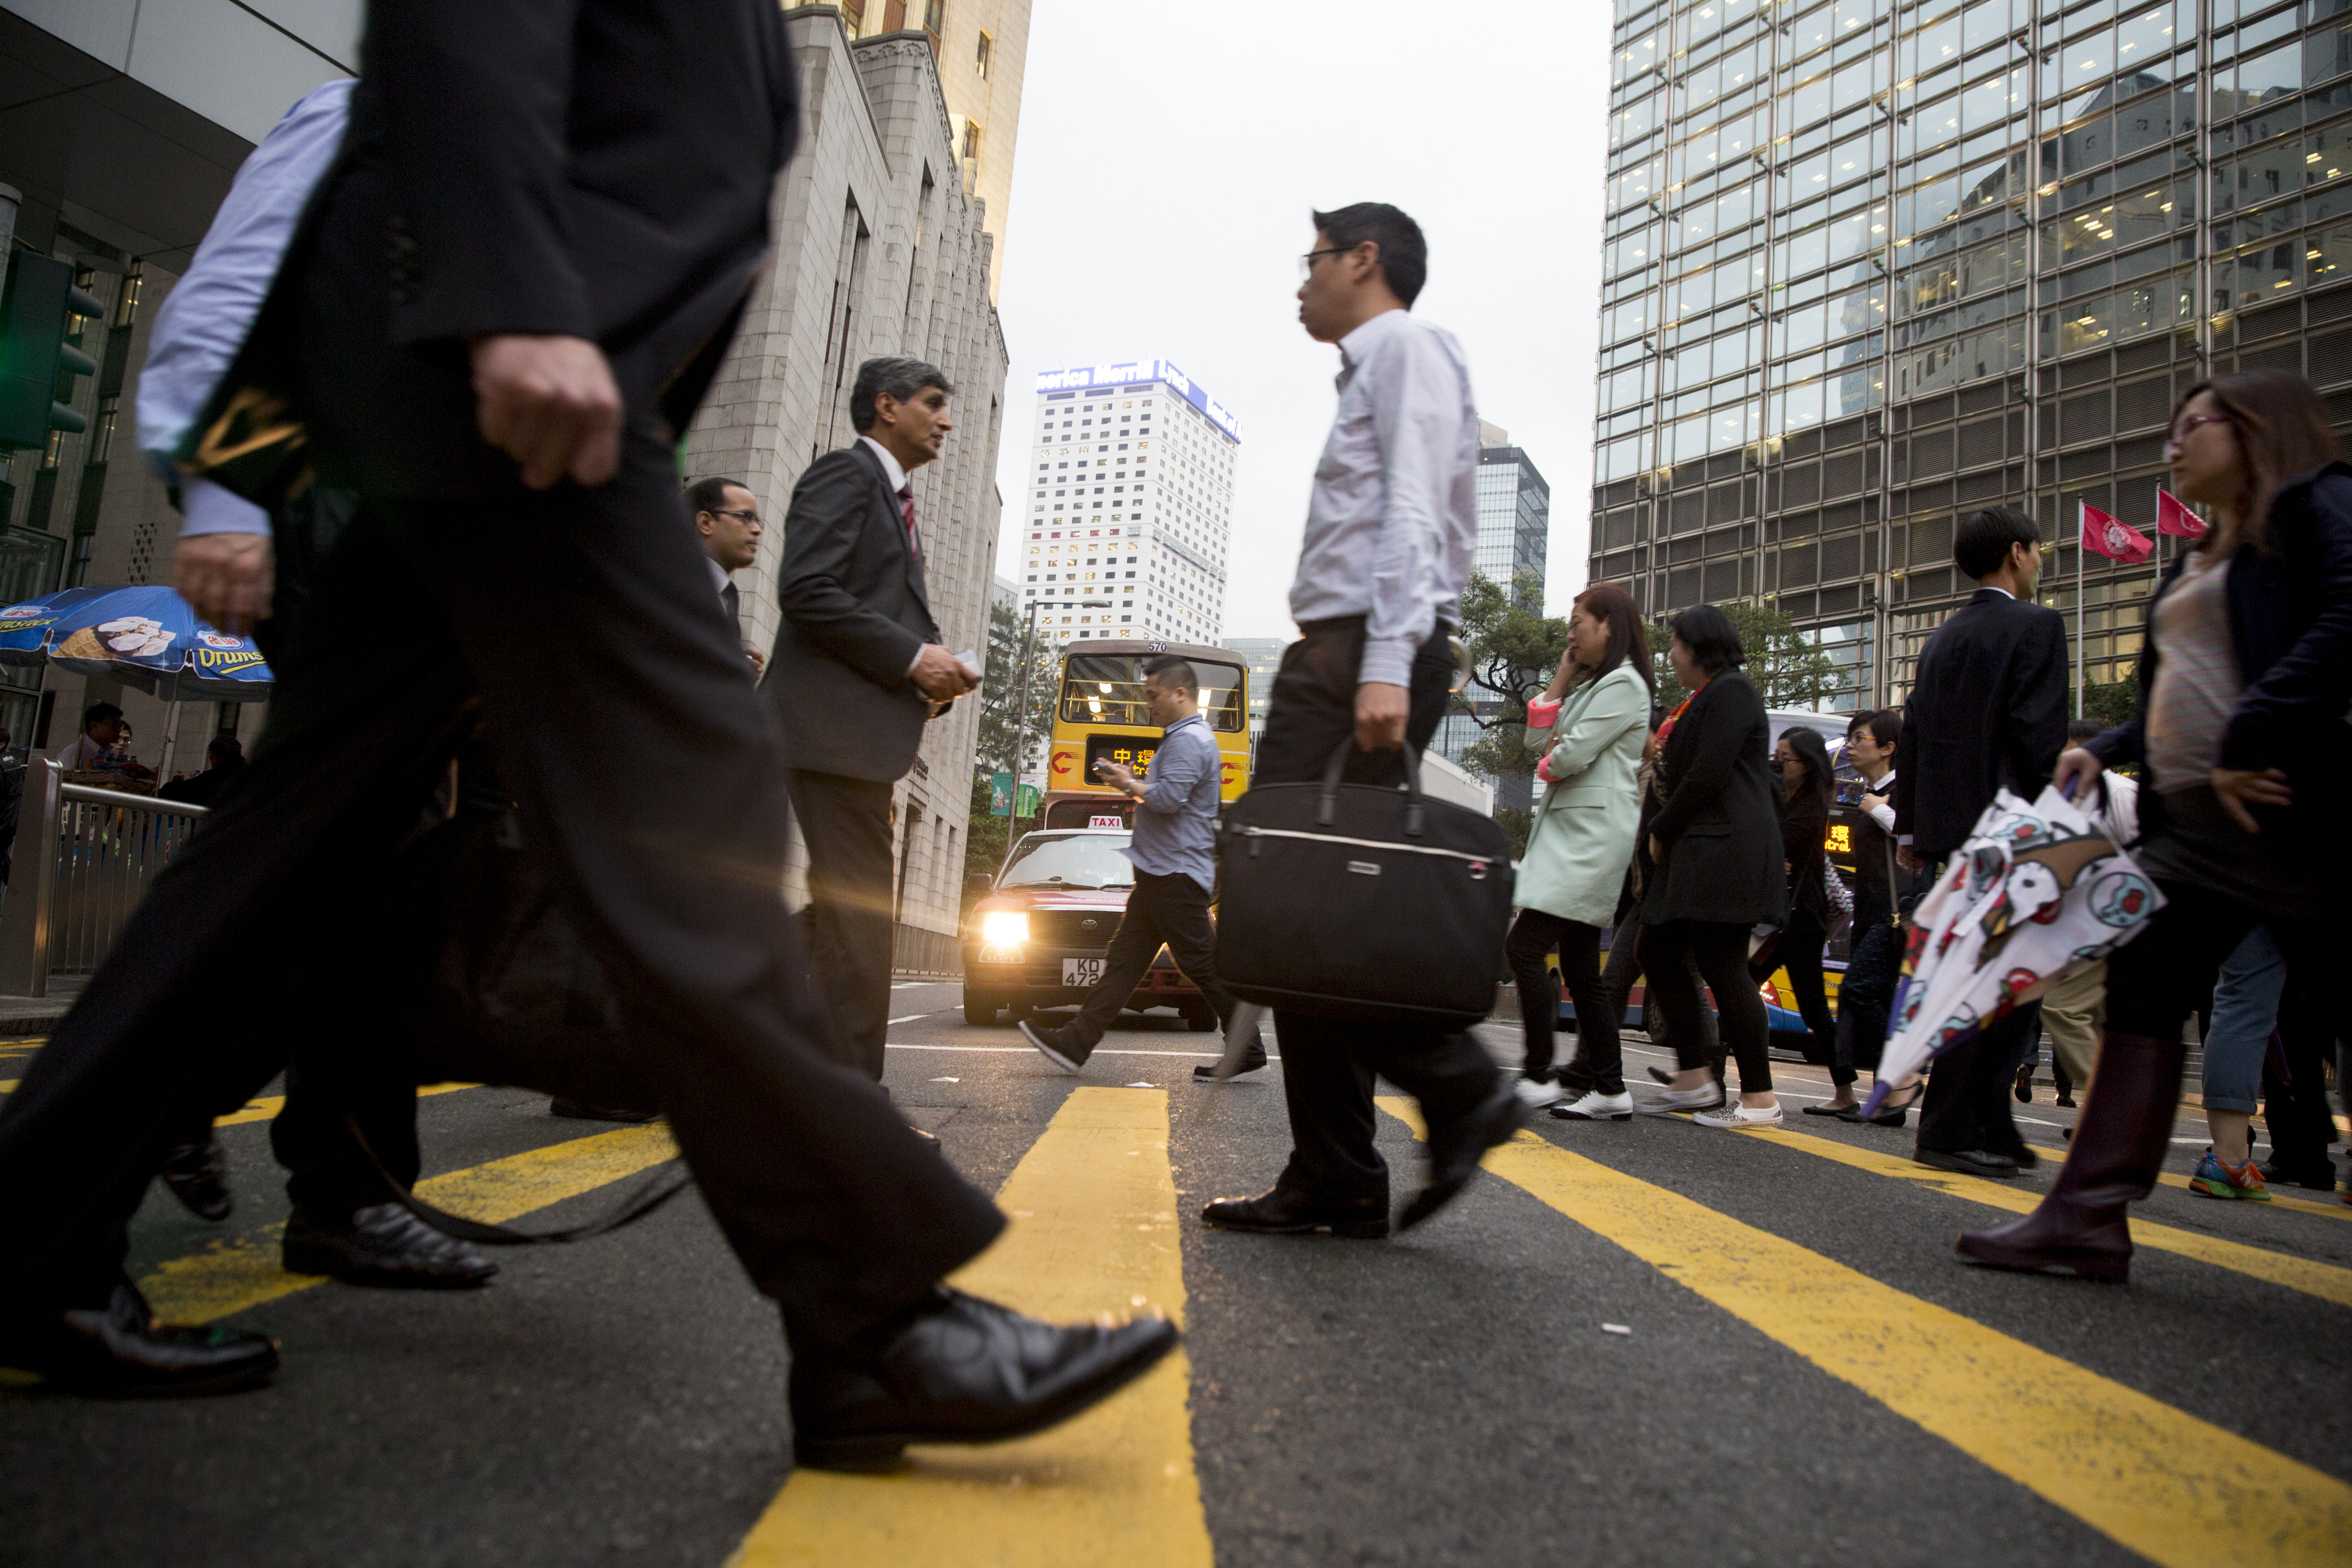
{"type": "Point", "coordinates": [1870, 265]}
{"type": "Point", "coordinates": [1130, 505]}
{"type": "Point", "coordinates": [1514, 510]}
{"type": "Point", "coordinates": [1262, 656]}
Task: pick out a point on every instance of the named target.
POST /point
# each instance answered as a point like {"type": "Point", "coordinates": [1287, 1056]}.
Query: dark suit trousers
{"type": "Point", "coordinates": [1969, 1088]}
{"type": "Point", "coordinates": [1172, 909]}
{"type": "Point", "coordinates": [845, 824]}
{"type": "Point", "coordinates": [1328, 1064]}
{"type": "Point", "coordinates": [620, 716]}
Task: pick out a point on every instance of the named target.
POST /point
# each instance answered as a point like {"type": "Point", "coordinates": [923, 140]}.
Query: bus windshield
{"type": "Point", "coordinates": [1076, 860]}
{"type": "Point", "coordinates": [1108, 688]}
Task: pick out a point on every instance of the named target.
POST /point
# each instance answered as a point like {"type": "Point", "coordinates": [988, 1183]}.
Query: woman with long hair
{"type": "Point", "coordinates": [1713, 840]}
{"type": "Point", "coordinates": [1596, 714]}
{"type": "Point", "coordinates": [2244, 678]}
{"type": "Point", "coordinates": [1806, 782]}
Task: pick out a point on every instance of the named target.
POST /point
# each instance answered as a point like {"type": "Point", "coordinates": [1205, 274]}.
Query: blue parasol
{"type": "Point", "coordinates": [146, 637]}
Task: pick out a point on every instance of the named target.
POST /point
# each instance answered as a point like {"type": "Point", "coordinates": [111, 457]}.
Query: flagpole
{"type": "Point", "coordinates": [2082, 532]}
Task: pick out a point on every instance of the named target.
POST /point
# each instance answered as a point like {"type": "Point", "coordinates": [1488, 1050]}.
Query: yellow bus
{"type": "Point", "coordinates": [1101, 717]}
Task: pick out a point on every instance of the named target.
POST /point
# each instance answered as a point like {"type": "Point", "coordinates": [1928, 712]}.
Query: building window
{"type": "Point", "coordinates": [971, 139]}
{"type": "Point", "coordinates": [981, 62]}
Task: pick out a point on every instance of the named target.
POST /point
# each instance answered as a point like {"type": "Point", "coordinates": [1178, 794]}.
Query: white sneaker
{"type": "Point", "coordinates": [1597, 1107]}
{"type": "Point", "coordinates": [1736, 1116]}
{"type": "Point", "coordinates": [1536, 1093]}
{"type": "Point", "coordinates": [1666, 1101]}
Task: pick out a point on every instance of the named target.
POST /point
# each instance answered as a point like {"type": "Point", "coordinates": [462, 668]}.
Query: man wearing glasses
{"type": "Point", "coordinates": [727, 524]}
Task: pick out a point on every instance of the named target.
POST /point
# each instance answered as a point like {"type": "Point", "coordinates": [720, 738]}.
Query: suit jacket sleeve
{"type": "Point", "coordinates": [2034, 730]}
{"type": "Point", "coordinates": [476, 97]}
{"type": "Point", "coordinates": [1723, 729]}
{"type": "Point", "coordinates": [2309, 685]}
{"type": "Point", "coordinates": [1906, 759]}
{"type": "Point", "coordinates": [829, 508]}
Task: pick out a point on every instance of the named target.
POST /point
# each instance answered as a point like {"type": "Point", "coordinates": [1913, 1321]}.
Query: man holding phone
{"type": "Point", "coordinates": [859, 669]}
{"type": "Point", "coordinates": [1175, 851]}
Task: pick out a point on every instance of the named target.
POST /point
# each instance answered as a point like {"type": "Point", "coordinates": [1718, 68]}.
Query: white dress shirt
{"type": "Point", "coordinates": [1393, 517]}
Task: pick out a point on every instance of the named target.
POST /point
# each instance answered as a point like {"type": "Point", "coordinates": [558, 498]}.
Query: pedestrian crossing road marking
{"type": "Point", "coordinates": [2326, 1281]}
{"type": "Point", "coordinates": [235, 1275]}
{"type": "Point", "coordinates": [2179, 1490]}
{"type": "Point", "coordinates": [1094, 1206]}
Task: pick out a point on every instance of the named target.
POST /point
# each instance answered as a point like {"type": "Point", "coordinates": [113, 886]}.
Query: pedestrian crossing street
{"type": "Point", "coordinates": [1097, 1222]}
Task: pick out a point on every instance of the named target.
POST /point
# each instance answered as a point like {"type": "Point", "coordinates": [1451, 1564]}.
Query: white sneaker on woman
{"type": "Point", "coordinates": [1597, 1107]}
{"type": "Point", "coordinates": [1708, 1096]}
{"type": "Point", "coordinates": [1736, 1116]}
{"type": "Point", "coordinates": [1536, 1093]}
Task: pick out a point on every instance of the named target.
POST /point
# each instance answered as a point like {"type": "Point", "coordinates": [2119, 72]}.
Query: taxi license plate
{"type": "Point", "coordinates": [1081, 972]}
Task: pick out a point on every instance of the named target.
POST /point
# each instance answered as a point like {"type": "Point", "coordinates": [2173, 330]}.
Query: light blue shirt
{"type": "Point", "coordinates": [1176, 822]}
{"type": "Point", "coordinates": [205, 323]}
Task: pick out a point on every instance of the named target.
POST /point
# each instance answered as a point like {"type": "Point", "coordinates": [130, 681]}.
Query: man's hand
{"type": "Point", "coordinates": [2074, 763]}
{"type": "Point", "coordinates": [1657, 851]}
{"type": "Point", "coordinates": [1873, 802]}
{"type": "Point", "coordinates": [759, 661]}
{"type": "Point", "coordinates": [1119, 776]}
{"type": "Point", "coordinates": [1381, 710]}
{"type": "Point", "coordinates": [1908, 859]}
{"type": "Point", "coordinates": [227, 577]}
{"type": "Point", "coordinates": [550, 404]}
{"type": "Point", "coordinates": [940, 675]}
{"type": "Point", "coordinates": [2242, 787]}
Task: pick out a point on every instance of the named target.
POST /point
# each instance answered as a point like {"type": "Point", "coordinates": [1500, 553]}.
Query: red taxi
{"type": "Point", "coordinates": [1039, 936]}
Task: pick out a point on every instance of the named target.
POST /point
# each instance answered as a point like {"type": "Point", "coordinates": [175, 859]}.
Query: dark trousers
{"type": "Point", "coordinates": [1865, 997]}
{"type": "Point", "coordinates": [1968, 1087]}
{"type": "Point", "coordinates": [1533, 936]}
{"type": "Point", "coordinates": [1798, 952]}
{"type": "Point", "coordinates": [2295, 1088]}
{"type": "Point", "coordinates": [1173, 910]}
{"type": "Point", "coordinates": [1581, 1074]}
{"type": "Point", "coordinates": [623, 721]}
{"type": "Point", "coordinates": [845, 824]}
{"type": "Point", "coordinates": [1328, 1064]}
{"type": "Point", "coordinates": [327, 1172]}
{"type": "Point", "coordinates": [1719, 949]}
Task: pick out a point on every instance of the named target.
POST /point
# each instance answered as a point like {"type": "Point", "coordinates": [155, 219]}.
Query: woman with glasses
{"type": "Point", "coordinates": [1803, 762]}
{"type": "Point", "coordinates": [2244, 679]}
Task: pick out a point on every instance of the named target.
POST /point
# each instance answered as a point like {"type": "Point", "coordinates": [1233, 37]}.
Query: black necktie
{"type": "Point", "coordinates": [732, 598]}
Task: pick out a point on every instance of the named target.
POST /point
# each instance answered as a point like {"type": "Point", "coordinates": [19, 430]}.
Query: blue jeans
{"type": "Point", "coordinates": [2245, 1011]}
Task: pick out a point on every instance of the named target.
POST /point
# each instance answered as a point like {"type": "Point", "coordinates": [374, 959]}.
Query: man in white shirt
{"type": "Point", "coordinates": [1390, 530]}
{"type": "Point", "coordinates": [727, 524]}
{"type": "Point", "coordinates": [102, 730]}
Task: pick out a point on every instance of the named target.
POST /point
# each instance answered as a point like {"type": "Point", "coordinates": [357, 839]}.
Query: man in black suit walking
{"type": "Point", "coordinates": [857, 670]}
{"type": "Point", "coordinates": [513, 290]}
{"type": "Point", "coordinates": [1987, 712]}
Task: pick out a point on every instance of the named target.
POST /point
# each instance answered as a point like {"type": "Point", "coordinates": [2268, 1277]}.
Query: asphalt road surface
{"type": "Point", "coordinates": [1806, 1375]}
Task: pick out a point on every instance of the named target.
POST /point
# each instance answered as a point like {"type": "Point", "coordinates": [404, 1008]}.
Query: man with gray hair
{"type": "Point", "coordinates": [857, 670]}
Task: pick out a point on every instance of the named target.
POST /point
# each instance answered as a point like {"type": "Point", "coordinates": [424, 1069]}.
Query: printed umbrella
{"type": "Point", "coordinates": [2036, 892]}
{"type": "Point", "coordinates": [221, 668]}
{"type": "Point", "coordinates": [146, 637]}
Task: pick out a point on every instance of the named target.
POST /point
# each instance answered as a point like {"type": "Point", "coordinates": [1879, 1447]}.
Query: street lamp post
{"type": "Point", "coordinates": [1021, 707]}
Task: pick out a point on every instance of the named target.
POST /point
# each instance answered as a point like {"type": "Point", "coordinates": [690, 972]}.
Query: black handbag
{"type": "Point", "coordinates": [1362, 901]}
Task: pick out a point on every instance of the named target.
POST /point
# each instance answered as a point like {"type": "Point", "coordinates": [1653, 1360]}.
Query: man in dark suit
{"type": "Point", "coordinates": [857, 670]}
{"type": "Point", "coordinates": [726, 521]}
{"type": "Point", "coordinates": [1987, 712]}
{"type": "Point", "coordinates": [512, 291]}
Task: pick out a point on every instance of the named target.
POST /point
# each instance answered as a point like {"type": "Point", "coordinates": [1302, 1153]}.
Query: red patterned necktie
{"type": "Point", "coordinates": [907, 510]}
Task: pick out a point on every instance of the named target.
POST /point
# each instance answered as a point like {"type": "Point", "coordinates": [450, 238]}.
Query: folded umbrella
{"type": "Point", "coordinates": [2035, 894]}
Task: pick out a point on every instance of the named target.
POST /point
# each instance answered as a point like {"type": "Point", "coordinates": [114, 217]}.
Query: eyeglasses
{"type": "Point", "coordinates": [731, 512]}
{"type": "Point", "coordinates": [1307, 262]}
{"type": "Point", "coordinates": [2180, 432]}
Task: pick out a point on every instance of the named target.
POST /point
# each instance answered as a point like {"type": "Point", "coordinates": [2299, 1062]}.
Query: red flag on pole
{"type": "Point", "coordinates": [2172, 517]}
{"type": "Point", "coordinates": [2104, 536]}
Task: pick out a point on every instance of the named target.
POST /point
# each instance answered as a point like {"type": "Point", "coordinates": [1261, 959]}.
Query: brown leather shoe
{"type": "Point", "coordinates": [2058, 1237]}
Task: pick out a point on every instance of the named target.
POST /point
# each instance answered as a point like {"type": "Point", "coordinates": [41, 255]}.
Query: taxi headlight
{"type": "Point", "coordinates": [1004, 927]}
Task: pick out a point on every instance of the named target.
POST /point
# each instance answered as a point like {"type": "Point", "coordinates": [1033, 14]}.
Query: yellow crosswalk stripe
{"type": "Point", "coordinates": [1094, 1225]}
{"type": "Point", "coordinates": [2177, 1490]}
{"type": "Point", "coordinates": [2280, 1198]}
{"type": "Point", "coordinates": [2329, 1281]}
{"type": "Point", "coordinates": [234, 1275]}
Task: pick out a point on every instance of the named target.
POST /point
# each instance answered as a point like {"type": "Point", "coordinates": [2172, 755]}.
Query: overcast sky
{"type": "Point", "coordinates": [1169, 156]}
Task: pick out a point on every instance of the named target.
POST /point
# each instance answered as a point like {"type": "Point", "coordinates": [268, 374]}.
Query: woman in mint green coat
{"type": "Point", "coordinates": [1597, 713]}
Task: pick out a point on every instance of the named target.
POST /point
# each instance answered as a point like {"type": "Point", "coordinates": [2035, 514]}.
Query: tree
{"type": "Point", "coordinates": [1514, 649]}
{"type": "Point", "coordinates": [2110, 703]}
{"type": "Point", "coordinates": [1788, 671]}
{"type": "Point", "coordinates": [987, 836]}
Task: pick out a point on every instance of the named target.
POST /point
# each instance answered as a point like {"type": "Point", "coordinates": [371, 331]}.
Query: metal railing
{"type": "Point", "coordinates": [83, 858]}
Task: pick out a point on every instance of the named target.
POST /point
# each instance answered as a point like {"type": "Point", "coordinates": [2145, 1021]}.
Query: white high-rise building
{"type": "Point", "coordinates": [1129, 500]}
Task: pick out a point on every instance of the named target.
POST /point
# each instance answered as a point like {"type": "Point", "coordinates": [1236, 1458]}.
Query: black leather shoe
{"type": "Point", "coordinates": [120, 1352]}
{"type": "Point", "coordinates": [576, 1111]}
{"type": "Point", "coordinates": [385, 1245]}
{"type": "Point", "coordinates": [197, 1174]}
{"type": "Point", "coordinates": [2025, 1086]}
{"type": "Point", "coordinates": [1967, 1161]}
{"type": "Point", "coordinates": [1454, 1150]}
{"type": "Point", "coordinates": [1251, 1059]}
{"type": "Point", "coordinates": [2316, 1177]}
{"type": "Point", "coordinates": [964, 1371]}
{"type": "Point", "coordinates": [1054, 1048]}
{"type": "Point", "coordinates": [1280, 1213]}
{"type": "Point", "coordinates": [931, 1139]}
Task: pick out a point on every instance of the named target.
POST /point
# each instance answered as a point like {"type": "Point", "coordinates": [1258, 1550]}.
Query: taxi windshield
{"type": "Point", "coordinates": [1074, 859]}
{"type": "Point", "coordinates": [1108, 688]}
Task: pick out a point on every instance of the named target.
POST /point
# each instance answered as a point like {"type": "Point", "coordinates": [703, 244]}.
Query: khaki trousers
{"type": "Point", "coordinates": [2073, 1011]}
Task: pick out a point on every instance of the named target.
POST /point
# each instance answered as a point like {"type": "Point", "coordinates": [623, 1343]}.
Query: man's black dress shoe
{"type": "Point", "coordinates": [197, 1174]}
{"type": "Point", "coordinates": [2319, 1175]}
{"type": "Point", "coordinates": [1054, 1048]}
{"type": "Point", "coordinates": [1280, 1213]}
{"type": "Point", "coordinates": [120, 1352]}
{"type": "Point", "coordinates": [382, 1244]}
{"type": "Point", "coordinates": [1251, 1059]}
{"type": "Point", "coordinates": [1967, 1161]}
{"type": "Point", "coordinates": [1456, 1149]}
{"type": "Point", "coordinates": [962, 1370]}
{"type": "Point", "coordinates": [577, 1111]}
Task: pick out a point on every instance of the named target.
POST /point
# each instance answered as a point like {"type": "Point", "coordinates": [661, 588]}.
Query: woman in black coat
{"type": "Point", "coordinates": [1715, 840]}
{"type": "Point", "coordinates": [1802, 761]}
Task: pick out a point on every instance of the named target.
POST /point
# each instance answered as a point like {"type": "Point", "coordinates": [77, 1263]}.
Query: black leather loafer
{"type": "Point", "coordinates": [1967, 1161]}
{"type": "Point", "coordinates": [120, 1352]}
{"type": "Point", "coordinates": [1456, 1150]}
{"type": "Point", "coordinates": [197, 1174]}
{"type": "Point", "coordinates": [1251, 1059]}
{"type": "Point", "coordinates": [1280, 1213]}
{"type": "Point", "coordinates": [385, 1246]}
{"type": "Point", "coordinates": [962, 1370]}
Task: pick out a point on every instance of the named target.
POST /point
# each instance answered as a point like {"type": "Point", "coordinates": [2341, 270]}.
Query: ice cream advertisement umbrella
{"type": "Point", "coordinates": [2036, 892]}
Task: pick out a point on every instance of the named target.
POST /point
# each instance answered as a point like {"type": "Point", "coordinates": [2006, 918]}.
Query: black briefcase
{"type": "Point", "coordinates": [1362, 901]}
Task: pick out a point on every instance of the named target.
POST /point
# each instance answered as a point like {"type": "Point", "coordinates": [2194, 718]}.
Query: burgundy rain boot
{"type": "Point", "coordinates": [2119, 1145]}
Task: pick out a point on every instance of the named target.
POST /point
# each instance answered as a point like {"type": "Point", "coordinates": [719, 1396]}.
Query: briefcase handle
{"type": "Point", "coordinates": [1330, 806]}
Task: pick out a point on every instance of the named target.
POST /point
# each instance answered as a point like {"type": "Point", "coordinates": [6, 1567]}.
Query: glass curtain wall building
{"type": "Point", "coordinates": [1870, 264]}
